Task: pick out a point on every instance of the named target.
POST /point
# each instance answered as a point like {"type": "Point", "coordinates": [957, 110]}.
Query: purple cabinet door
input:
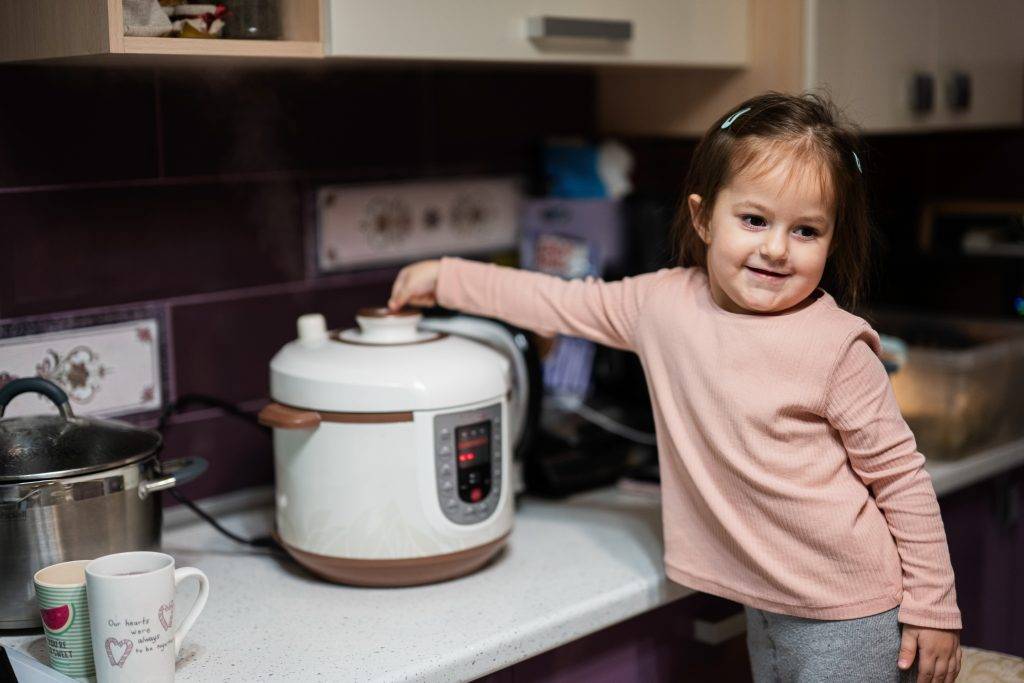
{"type": "Point", "coordinates": [986, 546]}
{"type": "Point", "coordinates": [656, 646]}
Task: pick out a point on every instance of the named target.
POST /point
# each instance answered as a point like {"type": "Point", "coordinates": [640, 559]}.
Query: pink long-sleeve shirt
{"type": "Point", "coordinates": [789, 480]}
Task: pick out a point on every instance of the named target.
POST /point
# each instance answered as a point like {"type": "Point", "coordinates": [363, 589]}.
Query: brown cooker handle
{"type": "Point", "coordinates": [282, 417]}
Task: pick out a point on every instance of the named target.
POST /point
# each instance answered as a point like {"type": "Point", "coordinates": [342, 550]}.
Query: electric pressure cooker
{"type": "Point", "coordinates": [393, 445]}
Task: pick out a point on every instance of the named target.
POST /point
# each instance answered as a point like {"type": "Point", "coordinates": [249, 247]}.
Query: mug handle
{"type": "Point", "coordinates": [197, 607]}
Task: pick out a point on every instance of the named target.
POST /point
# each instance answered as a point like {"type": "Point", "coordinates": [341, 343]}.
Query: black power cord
{"type": "Point", "coordinates": [189, 400]}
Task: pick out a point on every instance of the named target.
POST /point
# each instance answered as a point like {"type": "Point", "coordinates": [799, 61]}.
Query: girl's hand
{"type": "Point", "coordinates": [939, 654]}
{"type": "Point", "coordinates": [416, 284]}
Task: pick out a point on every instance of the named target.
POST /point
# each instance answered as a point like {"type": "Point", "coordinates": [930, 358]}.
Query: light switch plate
{"type": "Point", "coordinates": [384, 224]}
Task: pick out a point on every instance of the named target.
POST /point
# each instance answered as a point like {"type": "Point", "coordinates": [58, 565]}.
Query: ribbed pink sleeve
{"type": "Point", "coordinates": [603, 312]}
{"type": "Point", "coordinates": [861, 405]}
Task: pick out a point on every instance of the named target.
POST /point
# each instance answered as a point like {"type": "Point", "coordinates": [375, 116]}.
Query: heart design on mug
{"type": "Point", "coordinates": [166, 615]}
{"type": "Point", "coordinates": [113, 643]}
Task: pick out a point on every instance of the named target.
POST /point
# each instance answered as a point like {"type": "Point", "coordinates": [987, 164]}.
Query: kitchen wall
{"type": "Point", "coordinates": [178, 200]}
{"type": "Point", "coordinates": [175, 204]}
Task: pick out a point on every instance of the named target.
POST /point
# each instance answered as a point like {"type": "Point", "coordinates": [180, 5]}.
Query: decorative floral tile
{"type": "Point", "coordinates": [106, 370]}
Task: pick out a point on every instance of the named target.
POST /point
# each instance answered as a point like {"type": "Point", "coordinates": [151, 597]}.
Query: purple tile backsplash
{"type": "Point", "coordinates": [224, 347]}
{"type": "Point", "coordinates": [84, 248]}
{"type": "Point", "coordinates": [64, 125]}
{"type": "Point", "coordinates": [239, 454]}
{"type": "Point", "coordinates": [184, 192]}
{"type": "Point", "coordinates": [291, 118]}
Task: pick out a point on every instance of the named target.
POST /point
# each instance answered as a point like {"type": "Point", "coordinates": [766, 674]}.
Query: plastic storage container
{"type": "Point", "coordinates": [962, 387]}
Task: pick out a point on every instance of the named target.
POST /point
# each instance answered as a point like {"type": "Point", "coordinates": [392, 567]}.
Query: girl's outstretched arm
{"type": "Point", "coordinates": [603, 312]}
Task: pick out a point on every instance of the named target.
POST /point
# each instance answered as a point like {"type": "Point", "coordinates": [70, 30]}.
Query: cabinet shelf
{"type": "Point", "coordinates": [87, 30]}
{"type": "Point", "coordinates": [222, 47]}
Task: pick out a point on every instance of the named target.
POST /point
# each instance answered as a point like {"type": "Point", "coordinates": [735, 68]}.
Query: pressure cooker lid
{"type": "Point", "coordinates": [52, 446]}
{"type": "Point", "coordinates": [389, 364]}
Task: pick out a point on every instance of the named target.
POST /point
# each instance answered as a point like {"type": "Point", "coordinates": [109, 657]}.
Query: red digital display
{"type": "Point", "coordinates": [473, 445]}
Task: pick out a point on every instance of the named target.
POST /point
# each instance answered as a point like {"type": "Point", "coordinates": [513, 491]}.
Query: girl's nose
{"type": "Point", "coordinates": [774, 246]}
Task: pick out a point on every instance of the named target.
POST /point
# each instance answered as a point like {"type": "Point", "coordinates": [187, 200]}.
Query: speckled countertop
{"type": "Point", "coordinates": [571, 568]}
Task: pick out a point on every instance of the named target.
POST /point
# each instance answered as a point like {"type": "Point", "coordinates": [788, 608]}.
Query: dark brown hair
{"type": "Point", "coordinates": [810, 126]}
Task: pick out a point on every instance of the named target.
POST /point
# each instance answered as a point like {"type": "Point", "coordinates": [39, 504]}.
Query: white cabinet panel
{"type": "Point", "coordinates": [984, 40]}
{"type": "Point", "coordinates": [679, 32]}
{"type": "Point", "coordinates": [866, 53]}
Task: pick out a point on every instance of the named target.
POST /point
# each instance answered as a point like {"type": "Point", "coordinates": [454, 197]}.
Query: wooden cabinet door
{"type": "Point", "coordinates": [866, 53]}
{"type": "Point", "coordinates": [667, 32]}
{"type": "Point", "coordinates": [984, 40]}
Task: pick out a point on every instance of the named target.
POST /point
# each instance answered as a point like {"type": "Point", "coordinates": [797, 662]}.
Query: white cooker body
{"type": "Point", "coordinates": [397, 490]}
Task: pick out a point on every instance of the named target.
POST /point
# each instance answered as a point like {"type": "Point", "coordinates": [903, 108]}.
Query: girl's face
{"type": "Point", "coordinates": [767, 238]}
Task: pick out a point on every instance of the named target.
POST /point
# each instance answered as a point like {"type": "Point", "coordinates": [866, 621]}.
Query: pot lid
{"type": "Point", "coordinates": [388, 364]}
{"type": "Point", "coordinates": [54, 446]}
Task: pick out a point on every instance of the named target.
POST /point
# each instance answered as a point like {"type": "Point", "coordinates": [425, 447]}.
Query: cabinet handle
{"type": "Point", "coordinates": [958, 94]}
{"type": "Point", "coordinates": [540, 28]}
{"type": "Point", "coordinates": [922, 93]}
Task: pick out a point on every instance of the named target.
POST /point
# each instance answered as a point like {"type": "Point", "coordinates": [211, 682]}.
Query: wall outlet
{"type": "Point", "coordinates": [384, 224]}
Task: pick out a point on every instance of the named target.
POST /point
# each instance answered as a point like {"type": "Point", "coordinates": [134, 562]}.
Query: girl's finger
{"type": "Point", "coordinates": [398, 291]}
{"type": "Point", "coordinates": [956, 664]}
{"type": "Point", "coordinates": [925, 668]}
{"type": "Point", "coordinates": [908, 648]}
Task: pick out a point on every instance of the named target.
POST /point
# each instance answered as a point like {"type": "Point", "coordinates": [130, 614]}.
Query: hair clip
{"type": "Point", "coordinates": [728, 121]}
{"type": "Point", "coordinates": [857, 160]}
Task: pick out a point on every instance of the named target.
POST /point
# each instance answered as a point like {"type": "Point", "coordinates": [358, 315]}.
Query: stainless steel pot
{"type": "Point", "coordinates": [73, 488]}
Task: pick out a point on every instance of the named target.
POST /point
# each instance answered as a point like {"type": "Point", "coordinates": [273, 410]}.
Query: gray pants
{"type": "Point", "coordinates": [786, 649]}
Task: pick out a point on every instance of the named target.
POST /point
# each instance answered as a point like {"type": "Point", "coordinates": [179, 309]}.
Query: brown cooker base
{"type": "Point", "coordinates": [390, 573]}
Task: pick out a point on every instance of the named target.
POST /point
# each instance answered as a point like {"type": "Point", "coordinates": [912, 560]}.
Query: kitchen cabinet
{"type": "Point", "coordinates": [58, 29]}
{"type": "Point", "coordinates": [655, 32]}
{"type": "Point", "coordinates": [706, 33]}
{"type": "Point", "coordinates": [916, 65]}
{"type": "Point", "coordinates": [985, 532]}
{"type": "Point", "coordinates": [919, 64]}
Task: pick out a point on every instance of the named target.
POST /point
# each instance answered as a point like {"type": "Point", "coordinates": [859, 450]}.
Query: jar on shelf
{"type": "Point", "coordinates": [253, 19]}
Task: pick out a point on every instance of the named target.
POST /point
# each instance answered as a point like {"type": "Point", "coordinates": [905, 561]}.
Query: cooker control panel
{"type": "Point", "coordinates": [467, 460]}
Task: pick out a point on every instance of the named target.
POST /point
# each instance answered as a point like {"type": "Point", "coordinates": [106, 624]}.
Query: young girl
{"type": "Point", "coordinates": [790, 481]}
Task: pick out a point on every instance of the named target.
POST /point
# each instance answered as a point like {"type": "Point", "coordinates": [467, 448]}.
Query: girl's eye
{"type": "Point", "coordinates": [754, 220]}
{"type": "Point", "coordinates": [810, 232]}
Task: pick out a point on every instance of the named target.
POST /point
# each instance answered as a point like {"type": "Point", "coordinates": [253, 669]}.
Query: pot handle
{"type": "Point", "coordinates": [39, 386]}
{"type": "Point", "coordinates": [182, 471]}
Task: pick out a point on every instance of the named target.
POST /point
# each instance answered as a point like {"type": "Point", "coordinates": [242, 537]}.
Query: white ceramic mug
{"type": "Point", "coordinates": [131, 607]}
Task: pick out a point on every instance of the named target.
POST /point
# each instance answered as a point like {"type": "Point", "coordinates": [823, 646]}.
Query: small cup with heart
{"type": "Point", "coordinates": [131, 607]}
